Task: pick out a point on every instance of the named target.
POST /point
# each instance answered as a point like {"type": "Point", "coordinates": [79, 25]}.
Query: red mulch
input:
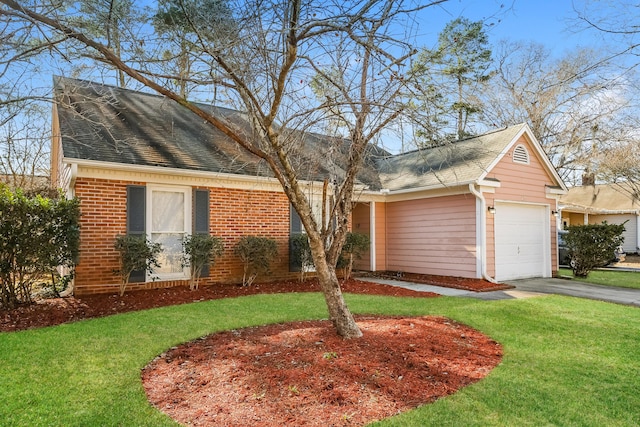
{"type": "Point", "coordinates": [303, 374]}
{"type": "Point", "coordinates": [476, 285]}
{"type": "Point", "coordinates": [54, 311]}
{"type": "Point", "coordinates": [300, 373]}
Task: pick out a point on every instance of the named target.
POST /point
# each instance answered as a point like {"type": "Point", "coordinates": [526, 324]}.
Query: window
{"type": "Point", "coordinates": [521, 155]}
{"type": "Point", "coordinates": [163, 214]}
{"type": "Point", "coordinates": [168, 221]}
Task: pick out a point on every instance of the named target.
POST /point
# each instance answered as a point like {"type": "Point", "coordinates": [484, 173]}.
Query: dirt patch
{"type": "Point", "coordinates": [630, 261]}
{"type": "Point", "coordinates": [303, 374]}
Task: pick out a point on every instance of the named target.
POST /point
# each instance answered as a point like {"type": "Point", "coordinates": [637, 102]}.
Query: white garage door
{"type": "Point", "coordinates": [522, 241]}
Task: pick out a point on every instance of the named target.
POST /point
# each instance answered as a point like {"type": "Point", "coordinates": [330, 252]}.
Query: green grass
{"type": "Point", "coordinates": [567, 361]}
{"type": "Point", "coordinates": [623, 279]}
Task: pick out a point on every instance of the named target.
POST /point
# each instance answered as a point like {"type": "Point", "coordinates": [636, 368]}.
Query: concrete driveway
{"type": "Point", "coordinates": [578, 289]}
{"type": "Point", "coordinates": [525, 288]}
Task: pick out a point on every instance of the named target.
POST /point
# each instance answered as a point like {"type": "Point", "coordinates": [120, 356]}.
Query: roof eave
{"type": "Point", "coordinates": [597, 211]}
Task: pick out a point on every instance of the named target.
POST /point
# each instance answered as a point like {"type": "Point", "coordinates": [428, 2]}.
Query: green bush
{"type": "Point", "coordinates": [300, 253]}
{"type": "Point", "coordinates": [136, 253]}
{"type": "Point", "coordinates": [39, 235]}
{"type": "Point", "coordinates": [355, 245]}
{"type": "Point", "coordinates": [591, 246]}
{"type": "Point", "coordinates": [256, 254]}
{"type": "Point", "coordinates": [200, 250]}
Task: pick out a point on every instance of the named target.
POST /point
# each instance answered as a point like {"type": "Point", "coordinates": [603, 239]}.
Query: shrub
{"type": "Point", "coordinates": [200, 250]}
{"type": "Point", "coordinates": [136, 253]}
{"type": "Point", "coordinates": [354, 246]}
{"type": "Point", "coordinates": [39, 234]}
{"type": "Point", "coordinates": [300, 253]}
{"type": "Point", "coordinates": [256, 254]}
{"type": "Point", "coordinates": [592, 246]}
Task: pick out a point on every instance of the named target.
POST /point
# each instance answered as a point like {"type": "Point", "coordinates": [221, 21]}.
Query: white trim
{"type": "Point", "coordinates": [372, 236]}
{"type": "Point", "coordinates": [169, 176]}
{"type": "Point", "coordinates": [554, 191]}
{"type": "Point", "coordinates": [520, 150]}
{"type": "Point", "coordinates": [414, 194]}
{"type": "Point", "coordinates": [492, 183]}
{"type": "Point", "coordinates": [479, 240]}
{"type": "Point", "coordinates": [481, 233]}
{"type": "Point", "coordinates": [637, 232]}
{"type": "Point", "coordinates": [596, 211]}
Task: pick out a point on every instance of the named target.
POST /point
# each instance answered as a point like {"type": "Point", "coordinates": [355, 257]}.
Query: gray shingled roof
{"type": "Point", "coordinates": [450, 164]}
{"type": "Point", "coordinates": [603, 198]}
{"type": "Point", "coordinates": [105, 123]}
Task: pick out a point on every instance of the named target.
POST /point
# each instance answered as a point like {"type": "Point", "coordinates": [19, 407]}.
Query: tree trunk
{"type": "Point", "coordinates": [339, 313]}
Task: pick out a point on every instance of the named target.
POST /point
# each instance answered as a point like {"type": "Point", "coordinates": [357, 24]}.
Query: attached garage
{"type": "Point", "coordinates": [482, 207]}
{"type": "Point", "coordinates": [523, 246]}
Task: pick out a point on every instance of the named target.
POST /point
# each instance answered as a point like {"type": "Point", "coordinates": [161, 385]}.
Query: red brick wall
{"type": "Point", "coordinates": [233, 214]}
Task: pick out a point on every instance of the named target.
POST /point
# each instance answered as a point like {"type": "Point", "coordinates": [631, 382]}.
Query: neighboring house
{"type": "Point", "coordinates": [26, 183]}
{"type": "Point", "coordinates": [613, 203]}
{"type": "Point", "coordinates": [142, 164]}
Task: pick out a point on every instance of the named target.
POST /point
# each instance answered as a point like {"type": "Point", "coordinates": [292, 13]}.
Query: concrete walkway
{"type": "Point", "coordinates": [526, 288]}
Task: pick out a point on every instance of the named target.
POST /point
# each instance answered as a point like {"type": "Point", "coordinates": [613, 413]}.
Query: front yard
{"type": "Point", "coordinates": [566, 361]}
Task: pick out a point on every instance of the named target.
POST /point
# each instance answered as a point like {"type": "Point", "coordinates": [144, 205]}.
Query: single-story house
{"type": "Point", "coordinates": [614, 203]}
{"type": "Point", "coordinates": [483, 207]}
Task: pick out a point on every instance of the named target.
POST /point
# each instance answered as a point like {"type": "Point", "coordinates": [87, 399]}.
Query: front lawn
{"type": "Point", "coordinates": [567, 361]}
{"type": "Point", "coordinates": [623, 279]}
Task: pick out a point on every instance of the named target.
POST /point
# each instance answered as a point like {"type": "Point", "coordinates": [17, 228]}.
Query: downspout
{"type": "Point", "coordinates": [483, 233]}
{"type": "Point", "coordinates": [637, 230]}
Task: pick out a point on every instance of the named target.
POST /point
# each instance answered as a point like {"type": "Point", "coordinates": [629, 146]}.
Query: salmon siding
{"type": "Point", "coordinates": [433, 236]}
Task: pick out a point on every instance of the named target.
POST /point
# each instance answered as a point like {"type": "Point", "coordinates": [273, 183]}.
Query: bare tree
{"type": "Point", "coordinates": [616, 22]}
{"type": "Point", "coordinates": [24, 139]}
{"type": "Point", "coordinates": [24, 147]}
{"type": "Point", "coordinates": [575, 105]}
{"type": "Point", "coordinates": [265, 70]}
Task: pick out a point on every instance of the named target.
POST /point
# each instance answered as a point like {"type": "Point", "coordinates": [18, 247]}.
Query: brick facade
{"type": "Point", "coordinates": [233, 213]}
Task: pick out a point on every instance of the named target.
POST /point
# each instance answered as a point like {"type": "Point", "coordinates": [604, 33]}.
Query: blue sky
{"type": "Point", "coordinates": [543, 21]}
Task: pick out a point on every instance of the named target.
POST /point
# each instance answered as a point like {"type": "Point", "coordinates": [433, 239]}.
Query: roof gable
{"type": "Point", "coordinates": [457, 163]}
{"type": "Point", "coordinates": [535, 149]}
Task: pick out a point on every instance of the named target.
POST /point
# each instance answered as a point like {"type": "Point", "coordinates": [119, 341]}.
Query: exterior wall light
{"type": "Point", "coordinates": [492, 209]}
{"type": "Point", "coordinates": [556, 214]}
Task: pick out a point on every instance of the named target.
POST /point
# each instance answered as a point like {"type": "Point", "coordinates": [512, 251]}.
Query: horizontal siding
{"type": "Point", "coordinates": [361, 223]}
{"type": "Point", "coordinates": [630, 228]}
{"type": "Point", "coordinates": [522, 184]}
{"type": "Point", "coordinates": [432, 236]}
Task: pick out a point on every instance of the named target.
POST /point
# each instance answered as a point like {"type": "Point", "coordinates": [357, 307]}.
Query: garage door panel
{"type": "Point", "coordinates": [520, 242]}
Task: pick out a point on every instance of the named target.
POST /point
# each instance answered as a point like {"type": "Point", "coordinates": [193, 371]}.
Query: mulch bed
{"type": "Point", "coordinates": [303, 374]}
{"type": "Point", "coordinates": [476, 285]}
{"type": "Point", "coordinates": [54, 311]}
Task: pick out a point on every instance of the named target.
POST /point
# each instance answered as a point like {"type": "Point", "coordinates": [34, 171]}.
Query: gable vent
{"type": "Point", "coordinates": [521, 155]}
